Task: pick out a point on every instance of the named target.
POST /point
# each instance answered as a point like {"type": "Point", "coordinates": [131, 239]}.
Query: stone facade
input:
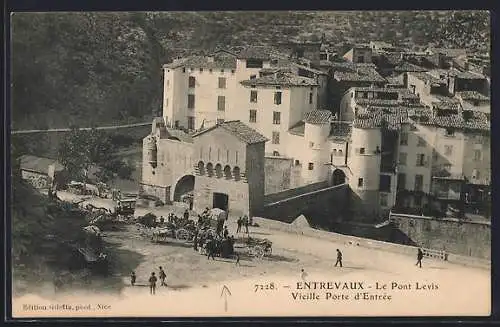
{"type": "Point", "coordinates": [229, 170]}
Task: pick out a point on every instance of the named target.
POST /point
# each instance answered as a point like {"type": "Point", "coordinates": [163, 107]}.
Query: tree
{"type": "Point", "coordinates": [83, 149]}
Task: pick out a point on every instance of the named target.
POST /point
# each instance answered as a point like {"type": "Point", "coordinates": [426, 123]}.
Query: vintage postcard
{"type": "Point", "coordinates": [244, 164]}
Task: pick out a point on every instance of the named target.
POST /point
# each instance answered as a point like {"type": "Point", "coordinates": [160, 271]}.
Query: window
{"type": "Point", "coordinates": [311, 144]}
{"type": "Point", "coordinates": [477, 155]}
{"type": "Point", "coordinates": [419, 181]}
{"type": "Point", "coordinates": [236, 156]}
{"type": "Point", "coordinates": [276, 153]}
{"type": "Point", "coordinates": [420, 160]}
{"type": "Point", "coordinates": [475, 174]}
{"type": "Point", "coordinates": [403, 140]}
{"type": "Point", "coordinates": [253, 96]}
{"type": "Point", "coordinates": [361, 150]}
{"type": "Point", "coordinates": [448, 150]}
{"type": "Point", "coordinates": [220, 120]}
{"type": "Point", "coordinates": [184, 69]}
{"type": "Point", "coordinates": [191, 101]}
{"type": "Point", "coordinates": [276, 138]}
{"type": "Point", "coordinates": [401, 184]}
{"type": "Point", "coordinates": [253, 116]}
{"type": "Point", "coordinates": [168, 83]}
{"type": "Point", "coordinates": [334, 152]}
{"type": "Point", "coordinates": [201, 70]}
{"type": "Point", "coordinates": [421, 141]}
{"type": "Point", "coordinates": [449, 132]}
{"type": "Point", "coordinates": [384, 199]}
{"type": "Point", "coordinates": [310, 98]}
{"type": "Point", "coordinates": [222, 70]}
{"type": "Point", "coordinates": [192, 81]}
{"type": "Point", "coordinates": [253, 76]}
{"type": "Point", "coordinates": [277, 97]}
{"type": "Point", "coordinates": [297, 162]}
{"type": "Point", "coordinates": [276, 117]}
{"type": "Point", "coordinates": [222, 82]}
{"type": "Point", "coordinates": [221, 103]}
{"type": "Point", "coordinates": [402, 158]}
{"type": "Point", "coordinates": [360, 182]}
{"type": "Point", "coordinates": [311, 166]}
{"type": "Point", "coordinates": [190, 122]}
{"type": "Point", "coordinates": [385, 183]}
{"type": "Point", "coordinates": [361, 59]}
{"type": "Point", "coordinates": [210, 70]}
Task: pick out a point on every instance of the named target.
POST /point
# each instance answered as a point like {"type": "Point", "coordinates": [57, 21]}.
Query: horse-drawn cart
{"type": "Point", "coordinates": [258, 248]}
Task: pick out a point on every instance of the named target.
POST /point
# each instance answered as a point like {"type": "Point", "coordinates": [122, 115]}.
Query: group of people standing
{"type": "Point", "coordinates": [242, 222]}
{"type": "Point", "coordinates": [152, 280]}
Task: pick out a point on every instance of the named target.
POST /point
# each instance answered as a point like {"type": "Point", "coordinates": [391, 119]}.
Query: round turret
{"type": "Point", "coordinates": [151, 150]}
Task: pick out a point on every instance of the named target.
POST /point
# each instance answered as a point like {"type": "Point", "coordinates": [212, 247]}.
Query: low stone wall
{"type": "Point", "coordinates": [464, 238]}
{"type": "Point", "coordinates": [274, 197]}
{"type": "Point", "coordinates": [163, 193]}
{"type": "Point", "coordinates": [367, 243]}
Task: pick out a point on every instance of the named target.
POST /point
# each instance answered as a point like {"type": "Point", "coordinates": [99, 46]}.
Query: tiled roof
{"type": "Point", "coordinates": [392, 118]}
{"type": "Point", "coordinates": [450, 52]}
{"type": "Point", "coordinates": [472, 95]}
{"type": "Point", "coordinates": [298, 129]}
{"type": "Point", "coordinates": [281, 78]}
{"type": "Point", "coordinates": [238, 129]}
{"type": "Point", "coordinates": [340, 130]}
{"type": "Point", "coordinates": [258, 52]}
{"type": "Point", "coordinates": [426, 77]}
{"type": "Point", "coordinates": [318, 117]}
{"type": "Point", "coordinates": [362, 74]}
{"type": "Point", "coordinates": [408, 67]}
{"type": "Point", "coordinates": [204, 62]}
{"type": "Point", "coordinates": [38, 164]}
{"type": "Point", "coordinates": [477, 121]}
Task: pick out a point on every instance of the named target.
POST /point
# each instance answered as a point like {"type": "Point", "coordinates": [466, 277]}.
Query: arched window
{"type": "Point", "coordinates": [201, 168]}
{"type": "Point", "coordinates": [335, 152]}
{"type": "Point", "coordinates": [210, 169]}
{"type": "Point", "coordinates": [236, 173]}
{"type": "Point", "coordinates": [218, 170]}
{"type": "Point", "coordinates": [227, 172]}
{"type": "Point", "coordinates": [276, 153]}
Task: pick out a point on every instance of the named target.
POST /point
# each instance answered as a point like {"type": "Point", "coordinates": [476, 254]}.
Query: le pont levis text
{"type": "Point", "coordinates": [330, 286]}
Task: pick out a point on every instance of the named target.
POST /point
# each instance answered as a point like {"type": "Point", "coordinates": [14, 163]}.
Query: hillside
{"type": "Point", "coordinates": [97, 68]}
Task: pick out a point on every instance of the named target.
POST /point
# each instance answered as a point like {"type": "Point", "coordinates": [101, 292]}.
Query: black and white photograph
{"type": "Point", "coordinates": [250, 163]}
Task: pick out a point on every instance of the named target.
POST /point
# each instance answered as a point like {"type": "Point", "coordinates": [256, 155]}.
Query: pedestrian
{"type": "Point", "coordinates": [420, 256]}
{"type": "Point", "coordinates": [162, 220]}
{"type": "Point", "coordinates": [226, 232]}
{"type": "Point", "coordinates": [133, 277]}
{"type": "Point", "coordinates": [303, 275]}
{"type": "Point", "coordinates": [239, 222]}
{"type": "Point", "coordinates": [211, 249]}
{"type": "Point", "coordinates": [162, 276]}
{"type": "Point", "coordinates": [195, 241]}
{"type": "Point", "coordinates": [245, 222]}
{"type": "Point", "coordinates": [339, 258]}
{"type": "Point", "coordinates": [220, 224]}
{"type": "Point", "coordinates": [186, 214]}
{"type": "Point", "coordinates": [152, 284]}
{"type": "Point", "coordinates": [237, 259]}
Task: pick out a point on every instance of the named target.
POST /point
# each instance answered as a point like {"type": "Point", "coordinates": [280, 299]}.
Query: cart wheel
{"type": "Point", "coordinates": [259, 252]}
{"type": "Point", "coordinates": [182, 235]}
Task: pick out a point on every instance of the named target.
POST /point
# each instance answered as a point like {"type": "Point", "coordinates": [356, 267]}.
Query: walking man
{"type": "Point", "coordinates": [186, 215]}
{"type": "Point", "coordinates": [237, 259]}
{"type": "Point", "coordinates": [239, 225]}
{"type": "Point", "coordinates": [162, 276]}
{"type": "Point", "coordinates": [133, 277]}
{"type": "Point", "coordinates": [226, 232]}
{"type": "Point", "coordinates": [339, 258]}
{"type": "Point", "coordinates": [245, 222]}
{"type": "Point", "coordinates": [420, 256]}
{"type": "Point", "coordinates": [152, 284]}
